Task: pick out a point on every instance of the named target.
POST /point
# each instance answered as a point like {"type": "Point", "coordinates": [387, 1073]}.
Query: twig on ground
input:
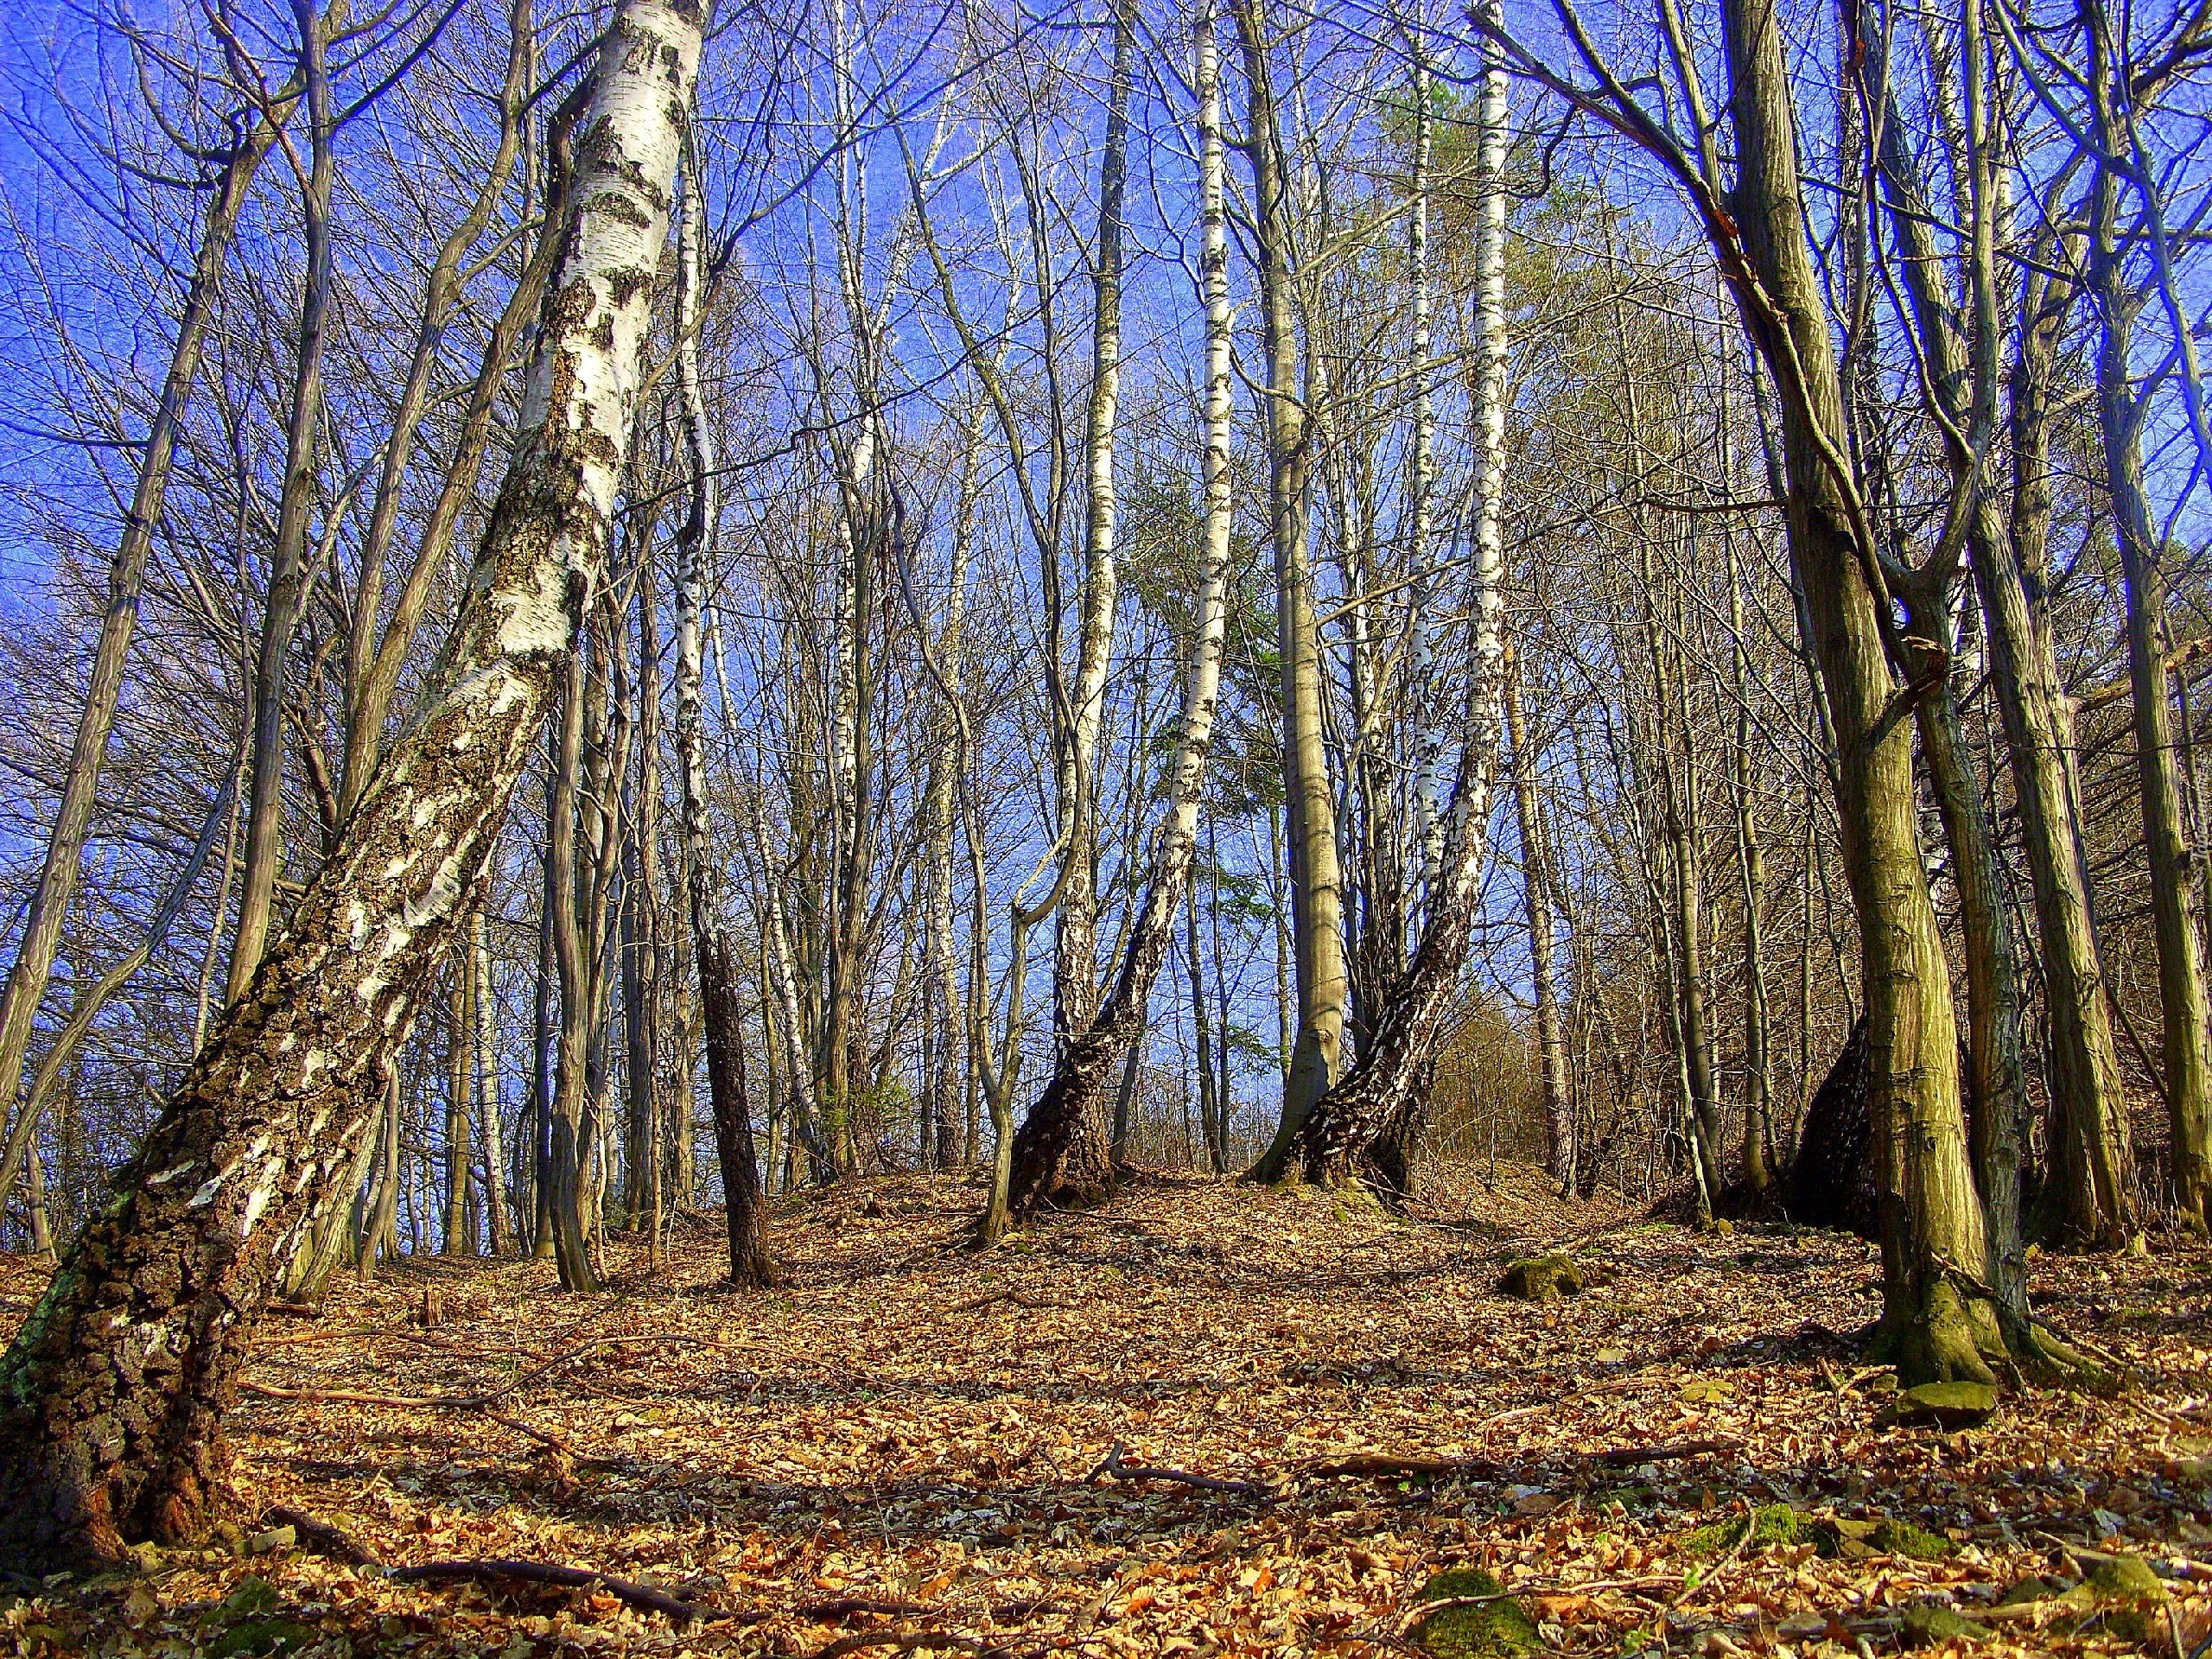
{"type": "Point", "coordinates": [1625, 1457]}
{"type": "Point", "coordinates": [441, 1402]}
{"type": "Point", "coordinates": [321, 1537]}
{"type": "Point", "coordinates": [1020, 1299]}
{"type": "Point", "coordinates": [1445, 1604]}
{"type": "Point", "coordinates": [641, 1596]}
{"type": "Point", "coordinates": [911, 1644]}
{"type": "Point", "coordinates": [1113, 1469]}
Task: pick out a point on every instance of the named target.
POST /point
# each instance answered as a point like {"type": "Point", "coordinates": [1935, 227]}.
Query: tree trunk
{"type": "Point", "coordinates": [1316, 872]}
{"type": "Point", "coordinates": [1077, 1091]}
{"type": "Point", "coordinates": [1536, 883]}
{"type": "Point", "coordinates": [288, 558]}
{"type": "Point", "coordinates": [721, 1012]}
{"type": "Point", "coordinates": [1074, 976]}
{"type": "Point", "coordinates": [1932, 1221]}
{"type": "Point", "coordinates": [487, 1084]}
{"type": "Point", "coordinates": [2087, 1096]}
{"type": "Point", "coordinates": [1382, 1096]}
{"type": "Point", "coordinates": [116, 1389]}
{"type": "Point", "coordinates": [2120, 416]}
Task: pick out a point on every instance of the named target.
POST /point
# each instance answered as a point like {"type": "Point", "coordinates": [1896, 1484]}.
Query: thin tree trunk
{"type": "Point", "coordinates": [2121, 417]}
{"type": "Point", "coordinates": [1076, 1092]}
{"type": "Point", "coordinates": [487, 1084]}
{"type": "Point", "coordinates": [460, 1029]}
{"type": "Point", "coordinates": [59, 870]}
{"type": "Point", "coordinates": [1558, 1106]}
{"type": "Point", "coordinates": [288, 558]}
{"type": "Point", "coordinates": [721, 1012]}
{"type": "Point", "coordinates": [1383, 1098]}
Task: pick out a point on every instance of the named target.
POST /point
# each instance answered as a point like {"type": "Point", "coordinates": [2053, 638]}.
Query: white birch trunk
{"type": "Point", "coordinates": [116, 1388]}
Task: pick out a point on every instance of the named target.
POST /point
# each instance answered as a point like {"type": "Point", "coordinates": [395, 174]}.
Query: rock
{"type": "Point", "coordinates": [1541, 1279]}
{"type": "Point", "coordinates": [1939, 1405]}
{"type": "Point", "coordinates": [269, 1542]}
{"type": "Point", "coordinates": [1929, 1624]}
{"type": "Point", "coordinates": [1487, 1625]}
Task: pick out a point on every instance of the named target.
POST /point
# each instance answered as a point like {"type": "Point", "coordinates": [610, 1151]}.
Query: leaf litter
{"type": "Point", "coordinates": [1205, 1419]}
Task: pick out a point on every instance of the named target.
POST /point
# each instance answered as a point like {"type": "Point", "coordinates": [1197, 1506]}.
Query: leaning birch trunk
{"type": "Point", "coordinates": [721, 1012]}
{"type": "Point", "coordinates": [1385, 1090]}
{"type": "Point", "coordinates": [1077, 1091]}
{"type": "Point", "coordinates": [72, 818]}
{"type": "Point", "coordinates": [1083, 1149]}
{"type": "Point", "coordinates": [117, 1387]}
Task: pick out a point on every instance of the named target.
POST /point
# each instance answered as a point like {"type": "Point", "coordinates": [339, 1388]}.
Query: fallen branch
{"type": "Point", "coordinates": [321, 1537]}
{"type": "Point", "coordinates": [435, 1401]}
{"type": "Point", "coordinates": [1017, 1298]}
{"type": "Point", "coordinates": [641, 1596]}
{"type": "Point", "coordinates": [828, 1612]}
{"type": "Point", "coordinates": [1445, 1604]}
{"type": "Point", "coordinates": [913, 1644]}
{"type": "Point", "coordinates": [1628, 1456]}
{"type": "Point", "coordinates": [1113, 1469]}
{"type": "Point", "coordinates": [1625, 1457]}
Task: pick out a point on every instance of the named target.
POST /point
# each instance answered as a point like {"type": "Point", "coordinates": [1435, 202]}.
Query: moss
{"type": "Point", "coordinates": [1496, 1626]}
{"type": "Point", "coordinates": [1895, 1537]}
{"type": "Point", "coordinates": [1771, 1523]}
{"type": "Point", "coordinates": [1928, 1625]}
{"type": "Point", "coordinates": [2121, 1597]}
{"type": "Point", "coordinates": [248, 1622]}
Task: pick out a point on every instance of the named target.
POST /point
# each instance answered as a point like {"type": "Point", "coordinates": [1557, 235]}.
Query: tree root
{"type": "Point", "coordinates": [1963, 1332]}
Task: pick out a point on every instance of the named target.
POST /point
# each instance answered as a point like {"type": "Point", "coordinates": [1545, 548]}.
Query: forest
{"type": "Point", "coordinates": [1162, 827]}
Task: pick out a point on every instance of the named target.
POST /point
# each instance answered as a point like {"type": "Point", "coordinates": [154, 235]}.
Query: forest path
{"type": "Point", "coordinates": [908, 1424]}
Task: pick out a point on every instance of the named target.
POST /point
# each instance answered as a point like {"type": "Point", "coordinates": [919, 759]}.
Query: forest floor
{"type": "Point", "coordinates": [900, 1450]}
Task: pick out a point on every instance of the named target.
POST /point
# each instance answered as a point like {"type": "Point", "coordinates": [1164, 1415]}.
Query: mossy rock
{"type": "Point", "coordinates": [1887, 1536]}
{"type": "Point", "coordinates": [1541, 1279]}
{"type": "Point", "coordinates": [1940, 1405]}
{"type": "Point", "coordinates": [1771, 1523]}
{"type": "Point", "coordinates": [2121, 1595]}
{"type": "Point", "coordinates": [1490, 1625]}
{"type": "Point", "coordinates": [1929, 1624]}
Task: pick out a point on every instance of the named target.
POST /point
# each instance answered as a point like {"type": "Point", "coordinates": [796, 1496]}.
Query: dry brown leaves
{"type": "Point", "coordinates": [890, 1453]}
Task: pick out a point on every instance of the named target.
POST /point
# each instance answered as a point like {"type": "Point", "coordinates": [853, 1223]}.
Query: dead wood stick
{"type": "Point", "coordinates": [435, 1401]}
{"type": "Point", "coordinates": [1627, 1456]}
{"type": "Point", "coordinates": [1445, 1604]}
{"type": "Point", "coordinates": [1624, 1457]}
{"type": "Point", "coordinates": [913, 1643]}
{"type": "Point", "coordinates": [1020, 1299]}
{"type": "Point", "coordinates": [641, 1596]}
{"type": "Point", "coordinates": [827, 1612]}
{"type": "Point", "coordinates": [1112, 1467]}
{"type": "Point", "coordinates": [313, 1336]}
{"type": "Point", "coordinates": [321, 1537]}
